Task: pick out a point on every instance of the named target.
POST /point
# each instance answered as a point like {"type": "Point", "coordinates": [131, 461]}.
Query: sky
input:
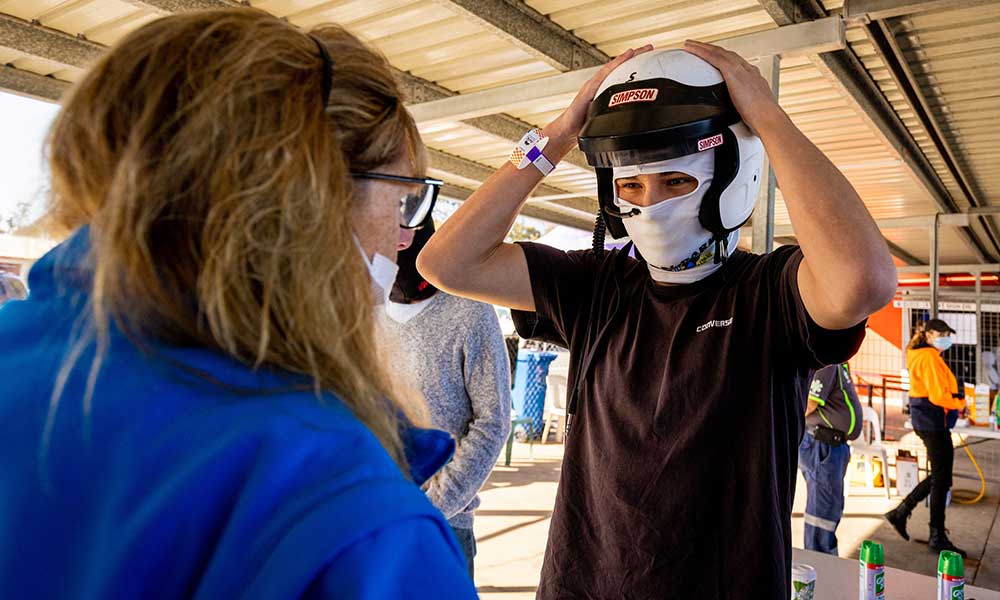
{"type": "Point", "coordinates": [24, 123]}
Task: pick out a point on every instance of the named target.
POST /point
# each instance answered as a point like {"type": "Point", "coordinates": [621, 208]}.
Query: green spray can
{"type": "Point", "coordinates": [871, 581]}
{"type": "Point", "coordinates": [951, 576]}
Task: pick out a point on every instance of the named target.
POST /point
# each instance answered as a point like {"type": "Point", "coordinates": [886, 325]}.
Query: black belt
{"type": "Point", "coordinates": [828, 435]}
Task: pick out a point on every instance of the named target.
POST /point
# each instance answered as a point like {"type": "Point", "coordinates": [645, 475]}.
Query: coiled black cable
{"type": "Point", "coordinates": [599, 229]}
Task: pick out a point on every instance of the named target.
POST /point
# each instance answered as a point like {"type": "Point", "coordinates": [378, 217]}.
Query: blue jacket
{"type": "Point", "coordinates": [174, 484]}
{"type": "Point", "coordinates": [926, 416]}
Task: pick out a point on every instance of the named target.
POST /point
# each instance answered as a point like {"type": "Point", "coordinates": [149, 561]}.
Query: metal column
{"type": "Point", "coordinates": [935, 265]}
{"type": "Point", "coordinates": [763, 214]}
{"type": "Point", "coordinates": [979, 328]}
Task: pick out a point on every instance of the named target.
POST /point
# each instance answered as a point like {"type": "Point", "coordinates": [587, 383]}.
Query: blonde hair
{"type": "Point", "coordinates": [919, 339]}
{"type": "Point", "coordinates": [217, 189]}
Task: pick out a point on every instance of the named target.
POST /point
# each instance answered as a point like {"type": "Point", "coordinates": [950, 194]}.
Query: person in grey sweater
{"type": "Point", "coordinates": [451, 349]}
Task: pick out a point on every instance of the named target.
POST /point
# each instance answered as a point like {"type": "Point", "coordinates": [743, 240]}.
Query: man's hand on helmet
{"type": "Point", "coordinates": [565, 129]}
{"type": "Point", "coordinates": [749, 91]}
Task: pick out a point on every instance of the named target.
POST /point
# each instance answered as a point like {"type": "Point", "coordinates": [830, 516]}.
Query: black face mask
{"type": "Point", "coordinates": [410, 286]}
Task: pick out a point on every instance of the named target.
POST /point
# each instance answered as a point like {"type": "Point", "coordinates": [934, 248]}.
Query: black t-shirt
{"type": "Point", "coordinates": [839, 406]}
{"type": "Point", "coordinates": [679, 469]}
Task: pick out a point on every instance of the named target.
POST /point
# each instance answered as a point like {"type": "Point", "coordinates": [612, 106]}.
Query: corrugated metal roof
{"type": "Point", "coordinates": [836, 128]}
{"type": "Point", "coordinates": [956, 51]}
{"type": "Point", "coordinates": [953, 56]}
{"type": "Point", "coordinates": [40, 66]}
{"type": "Point", "coordinates": [958, 54]}
{"type": "Point", "coordinates": [617, 26]}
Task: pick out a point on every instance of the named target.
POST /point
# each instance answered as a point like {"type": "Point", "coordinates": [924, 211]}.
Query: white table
{"type": "Point", "coordinates": [982, 432]}
{"type": "Point", "coordinates": [837, 579]}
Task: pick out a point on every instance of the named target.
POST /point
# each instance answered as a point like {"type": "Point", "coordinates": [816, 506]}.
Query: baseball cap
{"type": "Point", "coordinates": [938, 325]}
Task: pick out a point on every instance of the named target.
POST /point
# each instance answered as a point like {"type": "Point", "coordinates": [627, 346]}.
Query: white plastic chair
{"type": "Point", "coordinates": [555, 406]}
{"type": "Point", "coordinates": [866, 447]}
{"type": "Point", "coordinates": [560, 366]}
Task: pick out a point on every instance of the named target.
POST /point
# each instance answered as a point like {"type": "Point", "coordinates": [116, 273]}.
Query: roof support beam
{"type": "Point", "coordinates": [786, 235]}
{"type": "Point", "coordinates": [814, 37]}
{"type": "Point", "coordinates": [885, 9]}
{"type": "Point", "coordinates": [902, 254]}
{"type": "Point", "coordinates": [984, 210]}
{"type": "Point", "coordinates": [503, 126]}
{"type": "Point", "coordinates": [31, 85]}
{"type": "Point", "coordinates": [922, 222]}
{"type": "Point", "coordinates": [41, 42]}
{"type": "Point", "coordinates": [845, 71]}
{"type": "Point", "coordinates": [909, 259]}
{"type": "Point", "coordinates": [529, 30]}
{"type": "Point", "coordinates": [763, 222]}
{"type": "Point", "coordinates": [882, 36]}
{"type": "Point", "coordinates": [944, 269]}
{"type": "Point", "coordinates": [167, 7]}
{"type": "Point", "coordinates": [476, 172]}
{"type": "Point", "coordinates": [175, 6]}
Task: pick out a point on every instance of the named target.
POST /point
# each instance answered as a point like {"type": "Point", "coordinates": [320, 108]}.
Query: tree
{"type": "Point", "coordinates": [522, 232]}
{"type": "Point", "coordinates": [16, 218]}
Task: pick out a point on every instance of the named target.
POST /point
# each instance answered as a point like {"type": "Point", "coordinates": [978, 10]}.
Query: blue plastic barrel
{"type": "Point", "coordinates": [529, 386]}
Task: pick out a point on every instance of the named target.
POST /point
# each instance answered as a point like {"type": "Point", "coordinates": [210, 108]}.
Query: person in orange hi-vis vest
{"type": "Point", "coordinates": [935, 400]}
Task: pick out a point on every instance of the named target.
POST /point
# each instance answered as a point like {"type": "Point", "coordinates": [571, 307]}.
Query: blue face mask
{"type": "Point", "coordinates": [943, 343]}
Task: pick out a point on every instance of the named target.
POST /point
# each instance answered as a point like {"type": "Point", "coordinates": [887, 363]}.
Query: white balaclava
{"type": "Point", "coordinates": [668, 234]}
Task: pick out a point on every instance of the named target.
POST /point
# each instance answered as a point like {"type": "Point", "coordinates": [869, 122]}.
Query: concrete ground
{"type": "Point", "coordinates": [512, 523]}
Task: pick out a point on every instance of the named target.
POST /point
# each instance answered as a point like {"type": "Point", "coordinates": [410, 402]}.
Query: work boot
{"type": "Point", "coordinates": [897, 518]}
{"type": "Point", "coordinates": [939, 541]}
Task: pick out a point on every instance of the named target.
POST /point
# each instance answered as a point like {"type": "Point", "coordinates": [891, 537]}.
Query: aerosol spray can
{"type": "Point", "coordinates": [871, 580]}
{"type": "Point", "coordinates": [803, 582]}
{"type": "Point", "coordinates": [951, 576]}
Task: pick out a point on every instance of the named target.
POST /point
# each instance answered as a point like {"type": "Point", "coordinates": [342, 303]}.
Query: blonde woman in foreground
{"type": "Point", "coordinates": [197, 408]}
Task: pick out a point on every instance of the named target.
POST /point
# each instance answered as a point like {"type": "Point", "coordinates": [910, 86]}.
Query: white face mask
{"type": "Point", "coordinates": [383, 273]}
{"type": "Point", "coordinates": [943, 343]}
{"type": "Point", "coordinates": [668, 234]}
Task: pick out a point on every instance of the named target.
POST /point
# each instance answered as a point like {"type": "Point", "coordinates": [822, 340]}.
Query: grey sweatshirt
{"type": "Point", "coordinates": [454, 353]}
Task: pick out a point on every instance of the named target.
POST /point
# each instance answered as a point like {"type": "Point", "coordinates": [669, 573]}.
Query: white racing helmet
{"type": "Point", "coordinates": [663, 105]}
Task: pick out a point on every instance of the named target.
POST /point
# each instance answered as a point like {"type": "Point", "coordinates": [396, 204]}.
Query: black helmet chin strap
{"type": "Point", "coordinates": [611, 216]}
{"type": "Point", "coordinates": [727, 157]}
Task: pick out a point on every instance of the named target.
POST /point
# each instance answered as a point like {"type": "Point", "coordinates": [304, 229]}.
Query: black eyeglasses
{"type": "Point", "coordinates": [415, 206]}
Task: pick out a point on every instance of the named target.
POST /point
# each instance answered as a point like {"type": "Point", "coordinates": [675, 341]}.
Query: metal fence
{"type": "Point", "coordinates": [880, 372]}
{"type": "Point", "coordinates": [880, 365]}
{"type": "Point", "coordinates": [976, 321]}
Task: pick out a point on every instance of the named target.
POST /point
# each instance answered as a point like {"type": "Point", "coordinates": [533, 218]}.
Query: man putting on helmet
{"type": "Point", "coordinates": [690, 365]}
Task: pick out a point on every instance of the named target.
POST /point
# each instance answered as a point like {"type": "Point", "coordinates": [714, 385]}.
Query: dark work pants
{"type": "Point", "coordinates": [467, 542]}
{"type": "Point", "coordinates": [942, 456]}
